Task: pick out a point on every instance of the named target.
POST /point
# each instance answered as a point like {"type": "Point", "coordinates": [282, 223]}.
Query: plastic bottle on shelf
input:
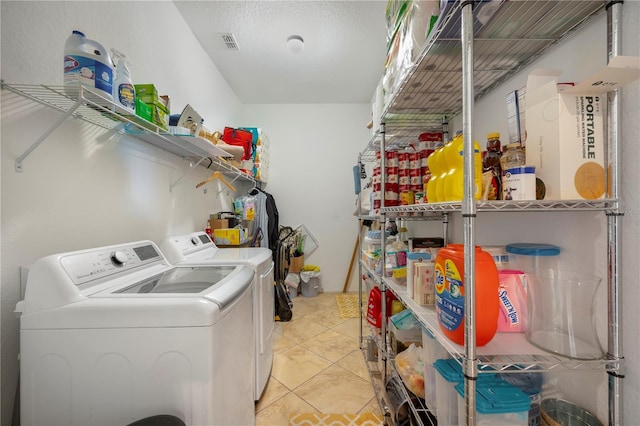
{"type": "Point", "coordinates": [491, 163]}
{"type": "Point", "coordinates": [455, 179]}
{"type": "Point", "coordinates": [433, 161]}
{"type": "Point", "coordinates": [124, 93]}
{"type": "Point", "coordinates": [445, 167]}
{"type": "Point", "coordinates": [450, 293]}
{"type": "Point", "coordinates": [87, 63]}
{"type": "Point", "coordinates": [397, 259]}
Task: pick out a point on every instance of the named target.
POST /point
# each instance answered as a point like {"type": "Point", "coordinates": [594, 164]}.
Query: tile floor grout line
{"type": "Point", "coordinates": [288, 401]}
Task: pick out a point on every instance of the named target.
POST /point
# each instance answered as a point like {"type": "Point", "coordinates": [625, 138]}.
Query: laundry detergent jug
{"type": "Point", "coordinates": [374, 307]}
{"type": "Point", "coordinates": [450, 294]}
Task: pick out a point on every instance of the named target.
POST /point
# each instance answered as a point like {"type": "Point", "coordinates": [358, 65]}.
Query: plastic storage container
{"type": "Point", "coordinates": [449, 374]}
{"type": "Point", "coordinates": [519, 183]}
{"type": "Point", "coordinates": [530, 384]}
{"type": "Point", "coordinates": [560, 313]}
{"type": "Point", "coordinates": [529, 257]}
{"type": "Point", "coordinates": [497, 404]}
{"type": "Point", "coordinates": [450, 290]}
{"type": "Point", "coordinates": [433, 351]}
{"type": "Point", "coordinates": [373, 240]}
{"type": "Point", "coordinates": [501, 257]}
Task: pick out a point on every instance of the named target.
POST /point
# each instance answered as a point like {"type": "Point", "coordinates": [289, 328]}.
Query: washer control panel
{"type": "Point", "coordinates": [90, 265]}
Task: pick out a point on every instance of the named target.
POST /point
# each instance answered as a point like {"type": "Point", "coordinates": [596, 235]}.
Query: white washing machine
{"type": "Point", "coordinates": [116, 334]}
{"type": "Point", "coordinates": [197, 249]}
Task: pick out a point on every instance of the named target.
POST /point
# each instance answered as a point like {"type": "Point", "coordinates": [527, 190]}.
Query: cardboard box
{"type": "Point", "coordinates": [296, 264]}
{"type": "Point", "coordinates": [228, 236]}
{"type": "Point", "coordinates": [515, 117]}
{"type": "Point", "coordinates": [160, 117]}
{"type": "Point", "coordinates": [147, 93]}
{"type": "Point", "coordinates": [143, 110]}
{"type": "Point", "coordinates": [565, 129]}
{"type": "Point", "coordinates": [219, 223]}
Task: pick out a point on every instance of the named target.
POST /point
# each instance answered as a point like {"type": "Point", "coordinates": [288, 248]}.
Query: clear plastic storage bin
{"type": "Point", "coordinates": [561, 315]}
{"type": "Point", "coordinates": [530, 257]}
{"type": "Point", "coordinates": [433, 351]}
{"type": "Point", "coordinates": [449, 374]}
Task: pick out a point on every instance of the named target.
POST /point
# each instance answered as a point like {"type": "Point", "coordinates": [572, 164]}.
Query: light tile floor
{"type": "Point", "coordinates": [318, 366]}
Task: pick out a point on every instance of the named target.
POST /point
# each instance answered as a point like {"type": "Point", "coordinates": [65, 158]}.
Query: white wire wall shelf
{"type": "Point", "coordinates": [90, 107]}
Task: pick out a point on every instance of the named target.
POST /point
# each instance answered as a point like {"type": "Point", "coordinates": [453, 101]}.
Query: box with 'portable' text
{"type": "Point", "coordinates": [565, 129]}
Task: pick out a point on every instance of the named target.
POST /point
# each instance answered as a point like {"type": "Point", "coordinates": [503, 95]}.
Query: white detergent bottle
{"type": "Point", "coordinates": [124, 93]}
{"type": "Point", "coordinates": [87, 64]}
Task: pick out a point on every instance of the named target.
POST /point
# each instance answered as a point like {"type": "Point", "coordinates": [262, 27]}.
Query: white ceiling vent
{"type": "Point", "coordinates": [228, 41]}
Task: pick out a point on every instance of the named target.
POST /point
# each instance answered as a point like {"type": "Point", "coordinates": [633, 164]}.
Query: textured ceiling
{"type": "Point", "coordinates": [342, 59]}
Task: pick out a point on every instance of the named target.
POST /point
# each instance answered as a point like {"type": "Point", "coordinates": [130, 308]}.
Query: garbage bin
{"type": "Point", "coordinates": [310, 282]}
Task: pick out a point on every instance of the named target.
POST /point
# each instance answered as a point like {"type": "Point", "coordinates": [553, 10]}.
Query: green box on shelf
{"type": "Point", "coordinates": [160, 117]}
{"type": "Point", "coordinates": [143, 110]}
{"type": "Point", "coordinates": [147, 93]}
{"type": "Point", "coordinates": [161, 106]}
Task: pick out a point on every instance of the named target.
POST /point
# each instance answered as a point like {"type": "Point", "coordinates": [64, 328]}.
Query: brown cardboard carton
{"type": "Point", "coordinates": [296, 264]}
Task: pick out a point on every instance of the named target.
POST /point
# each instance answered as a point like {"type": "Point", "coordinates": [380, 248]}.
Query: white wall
{"type": "Point", "coordinates": [85, 187]}
{"type": "Point", "coordinates": [581, 235]}
{"type": "Point", "coordinates": [313, 149]}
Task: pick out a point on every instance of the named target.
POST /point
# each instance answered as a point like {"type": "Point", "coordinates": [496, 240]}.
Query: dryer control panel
{"type": "Point", "coordinates": [184, 245]}
{"type": "Point", "coordinates": [90, 265]}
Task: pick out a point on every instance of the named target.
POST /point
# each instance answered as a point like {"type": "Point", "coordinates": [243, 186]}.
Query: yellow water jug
{"type": "Point", "coordinates": [454, 189]}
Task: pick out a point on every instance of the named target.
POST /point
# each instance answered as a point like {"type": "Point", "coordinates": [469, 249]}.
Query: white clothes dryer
{"type": "Point", "coordinates": [116, 334]}
{"type": "Point", "coordinates": [197, 249]}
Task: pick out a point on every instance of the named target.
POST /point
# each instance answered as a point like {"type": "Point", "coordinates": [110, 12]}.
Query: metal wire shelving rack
{"type": "Point", "coordinates": [475, 47]}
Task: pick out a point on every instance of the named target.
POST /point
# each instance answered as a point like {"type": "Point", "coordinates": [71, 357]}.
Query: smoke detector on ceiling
{"type": "Point", "coordinates": [295, 43]}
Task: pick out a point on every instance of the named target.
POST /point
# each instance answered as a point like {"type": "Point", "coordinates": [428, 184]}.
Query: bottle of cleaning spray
{"type": "Point", "coordinates": [124, 94]}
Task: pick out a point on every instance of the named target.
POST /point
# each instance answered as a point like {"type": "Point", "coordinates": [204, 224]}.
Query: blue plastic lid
{"type": "Point", "coordinates": [521, 170]}
{"type": "Point", "coordinates": [376, 235]}
{"type": "Point", "coordinates": [498, 398]}
{"type": "Point", "coordinates": [533, 249]}
{"type": "Point", "coordinates": [449, 368]}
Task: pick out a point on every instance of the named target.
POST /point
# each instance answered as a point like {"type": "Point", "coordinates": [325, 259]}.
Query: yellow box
{"type": "Point", "coordinates": [228, 236]}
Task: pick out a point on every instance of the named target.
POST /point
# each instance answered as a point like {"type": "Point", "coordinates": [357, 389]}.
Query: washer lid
{"type": "Point", "coordinates": [180, 281]}
{"type": "Point", "coordinates": [179, 297]}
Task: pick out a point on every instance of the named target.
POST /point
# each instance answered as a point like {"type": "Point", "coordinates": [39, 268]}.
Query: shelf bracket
{"type": "Point", "coordinates": [50, 130]}
{"type": "Point", "coordinates": [191, 168]}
